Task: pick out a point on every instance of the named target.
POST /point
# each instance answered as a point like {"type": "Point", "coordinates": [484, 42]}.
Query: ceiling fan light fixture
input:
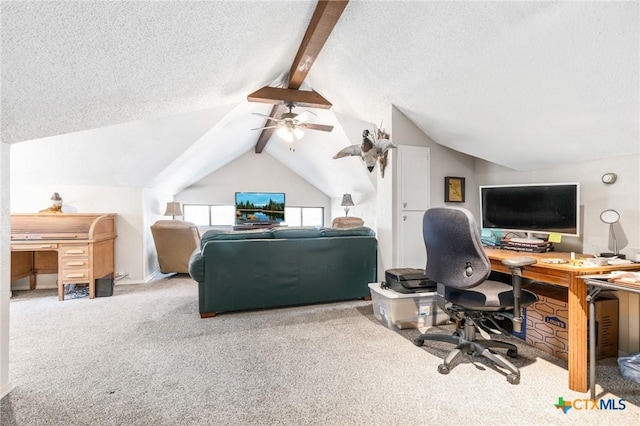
{"type": "Point", "coordinates": [298, 132]}
{"type": "Point", "coordinates": [290, 133]}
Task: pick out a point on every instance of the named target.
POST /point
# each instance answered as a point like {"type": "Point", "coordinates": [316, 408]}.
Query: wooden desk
{"type": "Point", "coordinates": [565, 275]}
{"type": "Point", "coordinates": [78, 247]}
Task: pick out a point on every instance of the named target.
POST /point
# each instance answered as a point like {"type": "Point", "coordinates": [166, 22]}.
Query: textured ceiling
{"type": "Point", "coordinates": [524, 84]}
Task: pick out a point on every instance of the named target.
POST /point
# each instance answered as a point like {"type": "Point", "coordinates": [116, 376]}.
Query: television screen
{"type": "Point", "coordinates": [533, 208]}
{"type": "Point", "coordinates": [259, 207]}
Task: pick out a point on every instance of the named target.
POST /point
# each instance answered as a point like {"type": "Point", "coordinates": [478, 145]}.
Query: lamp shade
{"type": "Point", "coordinates": [173, 209]}
{"type": "Point", "coordinates": [346, 200]}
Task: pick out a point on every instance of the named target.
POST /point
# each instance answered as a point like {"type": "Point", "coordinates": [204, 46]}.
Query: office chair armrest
{"type": "Point", "coordinates": [518, 262]}
{"type": "Point", "coordinates": [515, 265]}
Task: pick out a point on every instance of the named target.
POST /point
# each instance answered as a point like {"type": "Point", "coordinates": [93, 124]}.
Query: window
{"type": "Point", "coordinates": [209, 215]}
{"type": "Point", "coordinates": [304, 216]}
{"type": "Point", "coordinates": [212, 215]}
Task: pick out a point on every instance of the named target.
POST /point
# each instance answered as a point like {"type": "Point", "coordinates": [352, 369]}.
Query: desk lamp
{"type": "Point", "coordinates": [611, 217]}
{"type": "Point", "coordinates": [346, 203]}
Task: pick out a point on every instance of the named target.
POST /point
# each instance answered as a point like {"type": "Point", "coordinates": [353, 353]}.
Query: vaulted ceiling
{"type": "Point", "coordinates": [524, 84]}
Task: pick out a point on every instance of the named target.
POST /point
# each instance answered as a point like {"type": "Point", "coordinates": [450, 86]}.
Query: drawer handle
{"type": "Point", "coordinates": [75, 251]}
{"type": "Point", "coordinates": [75, 275]}
{"type": "Point", "coordinates": [45, 246]}
{"type": "Point", "coordinates": [77, 263]}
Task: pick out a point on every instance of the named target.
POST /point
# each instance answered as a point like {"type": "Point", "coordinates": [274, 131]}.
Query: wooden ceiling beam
{"type": "Point", "coordinates": [324, 19]}
{"type": "Point", "coordinates": [265, 135]}
{"type": "Point", "coordinates": [279, 96]}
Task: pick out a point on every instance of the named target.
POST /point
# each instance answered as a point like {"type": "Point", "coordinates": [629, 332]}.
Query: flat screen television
{"type": "Point", "coordinates": [259, 207]}
{"type": "Point", "coordinates": [531, 208]}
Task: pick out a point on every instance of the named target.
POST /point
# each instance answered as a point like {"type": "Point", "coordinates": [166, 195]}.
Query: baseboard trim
{"type": "Point", "coordinates": [6, 388]}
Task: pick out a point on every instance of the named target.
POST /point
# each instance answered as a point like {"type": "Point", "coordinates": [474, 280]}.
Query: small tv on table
{"type": "Point", "coordinates": [259, 208]}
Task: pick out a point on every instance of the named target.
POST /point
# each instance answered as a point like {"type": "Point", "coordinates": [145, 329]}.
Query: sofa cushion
{"type": "Point", "coordinates": [362, 231]}
{"type": "Point", "coordinates": [196, 265]}
{"type": "Point", "coordinates": [221, 234]}
{"type": "Point", "coordinates": [297, 232]}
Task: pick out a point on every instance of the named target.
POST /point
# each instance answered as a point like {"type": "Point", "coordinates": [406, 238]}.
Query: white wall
{"type": "Point", "coordinates": [623, 196]}
{"type": "Point", "coordinates": [444, 162]}
{"type": "Point", "coordinates": [255, 173]}
{"type": "Point", "coordinates": [125, 202]}
{"type": "Point", "coordinates": [5, 269]}
{"type": "Point", "coordinates": [595, 196]}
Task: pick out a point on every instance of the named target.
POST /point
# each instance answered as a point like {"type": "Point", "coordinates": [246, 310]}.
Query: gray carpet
{"type": "Point", "coordinates": [145, 357]}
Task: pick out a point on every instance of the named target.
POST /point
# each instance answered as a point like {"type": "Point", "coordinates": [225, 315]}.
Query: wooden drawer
{"type": "Point", "coordinates": [75, 276]}
{"type": "Point", "coordinates": [75, 263]}
{"type": "Point", "coordinates": [34, 247]}
{"type": "Point", "coordinates": [75, 250]}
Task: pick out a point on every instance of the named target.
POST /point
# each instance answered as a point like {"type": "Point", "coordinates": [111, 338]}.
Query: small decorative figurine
{"type": "Point", "coordinates": [56, 207]}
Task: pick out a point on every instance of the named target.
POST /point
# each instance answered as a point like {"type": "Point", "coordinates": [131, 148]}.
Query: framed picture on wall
{"type": "Point", "coordinates": [453, 189]}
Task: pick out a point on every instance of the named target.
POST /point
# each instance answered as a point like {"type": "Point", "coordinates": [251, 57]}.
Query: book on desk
{"type": "Point", "coordinates": [532, 247]}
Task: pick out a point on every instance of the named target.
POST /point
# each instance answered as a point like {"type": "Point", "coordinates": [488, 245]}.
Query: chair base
{"type": "Point", "coordinates": [474, 347]}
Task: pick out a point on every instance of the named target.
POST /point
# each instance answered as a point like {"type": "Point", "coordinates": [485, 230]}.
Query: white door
{"type": "Point", "coordinates": [414, 178]}
{"type": "Point", "coordinates": [414, 199]}
{"type": "Point", "coordinates": [412, 251]}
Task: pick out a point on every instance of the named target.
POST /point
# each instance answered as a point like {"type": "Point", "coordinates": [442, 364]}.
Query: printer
{"type": "Point", "coordinates": [408, 280]}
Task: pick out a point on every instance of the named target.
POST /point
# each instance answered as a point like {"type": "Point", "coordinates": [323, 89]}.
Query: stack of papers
{"type": "Point", "coordinates": [616, 276]}
{"type": "Point", "coordinates": [616, 261]}
{"type": "Point", "coordinates": [625, 277]}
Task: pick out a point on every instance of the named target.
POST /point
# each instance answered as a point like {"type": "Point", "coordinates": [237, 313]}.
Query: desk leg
{"type": "Point", "coordinates": [577, 334]}
{"type": "Point", "coordinates": [60, 290]}
{"type": "Point", "coordinates": [592, 344]}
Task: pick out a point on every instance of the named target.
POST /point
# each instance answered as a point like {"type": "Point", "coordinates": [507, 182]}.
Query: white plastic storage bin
{"type": "Point", "coordinates": [399, 310]}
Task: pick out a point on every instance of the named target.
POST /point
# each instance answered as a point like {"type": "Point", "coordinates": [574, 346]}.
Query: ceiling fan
{"type": "Point", "coordinates": [325, 16]}
{"type": "Point", "coordinates": [290, 126]}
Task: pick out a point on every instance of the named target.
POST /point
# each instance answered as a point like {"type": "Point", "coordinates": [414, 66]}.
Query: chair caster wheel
{"type": "Point", "coordinates": [418, 342]}
{"type": "Point", "coordinates": [512, 353]}
{"type": "Point", "coordinates": [514, 379]}
{"type": "Point", "coordinates": [443, 369]}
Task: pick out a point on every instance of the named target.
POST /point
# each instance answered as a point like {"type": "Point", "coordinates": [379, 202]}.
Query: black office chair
{"type": "Point", "coordinates": [458, 263]}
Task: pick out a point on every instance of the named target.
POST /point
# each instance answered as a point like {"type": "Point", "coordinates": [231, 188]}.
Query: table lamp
{"type": "Point", "coordinates": [346, 203]}
{"type": "Point", "coordinates": [173, 209]}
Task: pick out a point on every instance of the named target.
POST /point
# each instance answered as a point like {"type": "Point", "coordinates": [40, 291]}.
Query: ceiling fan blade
{"type": "Point", "coordinates": [265, 116]}
{"type": "Point", "coordinates": [305, 116]}
{"type": "Point", "coordinates": [321, 127]}
{"type": "Point", "coordinates": [267, 127]}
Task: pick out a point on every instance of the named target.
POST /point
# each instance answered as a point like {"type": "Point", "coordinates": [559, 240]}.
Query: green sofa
{"type": "Point", "coordinates": [239, 270]}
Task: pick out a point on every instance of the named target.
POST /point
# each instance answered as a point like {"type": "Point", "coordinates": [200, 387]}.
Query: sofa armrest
{"type": "Point", "coordinates": [196, 265]}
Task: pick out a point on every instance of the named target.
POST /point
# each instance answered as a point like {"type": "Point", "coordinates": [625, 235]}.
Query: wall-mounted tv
{"type": "Point", "coordinates": [532, 208]}
{"type": "Point", "coordinates": [259, 207]}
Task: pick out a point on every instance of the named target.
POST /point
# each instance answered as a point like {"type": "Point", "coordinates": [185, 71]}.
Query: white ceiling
{"type": "Point", "coordinates": [163, 84]}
